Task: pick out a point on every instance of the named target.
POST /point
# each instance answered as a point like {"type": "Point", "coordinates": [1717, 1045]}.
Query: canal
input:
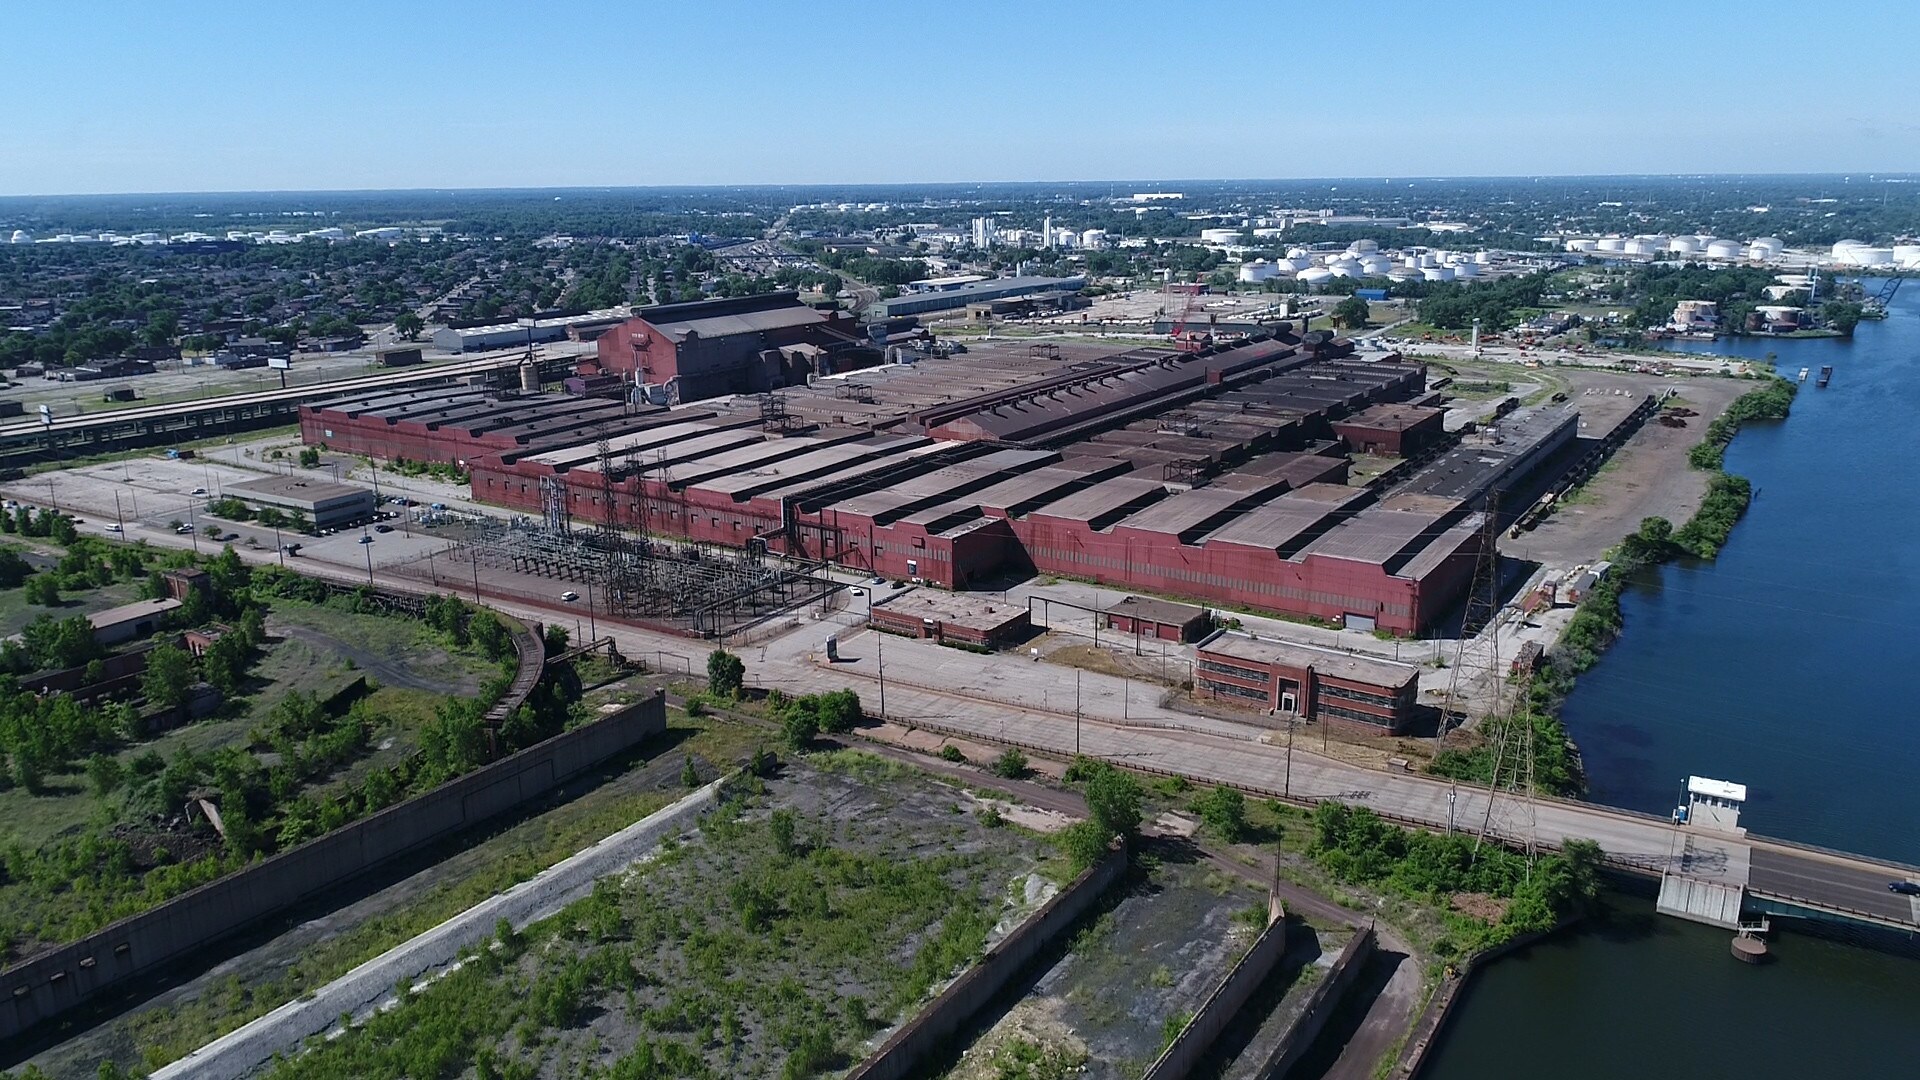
{"type": "Point", "coordinates": [1786, 664]}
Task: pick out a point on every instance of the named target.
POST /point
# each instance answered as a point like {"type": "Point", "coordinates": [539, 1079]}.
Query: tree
{"type": "Point", "coordinates": [800, 728]}
{"type": "Point", "coordinates": [169, 677]}
{"type": "Point", "coordinates": [1113, 800]}
{"type": "Point", "coordinates": [726, 674]}
{"type": "Point", "coordinates": [1351, 313]}
{"type": "Point", "coordinates": [409, 325]}
{"type": "Point", "coordinates": [1842, 316]}
{"type": "Point", "coordinates": [689, 776]}
{"type": "Point", "coordinates": [13, 568]}
{"type": "Point", "coordinates": [44, 590]}
{"type": "Point", "coordinates": [1224, 813]}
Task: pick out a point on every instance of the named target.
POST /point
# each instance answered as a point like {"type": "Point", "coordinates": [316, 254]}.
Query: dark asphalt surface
{"type": "Point", "coordinates": [1805, 877]}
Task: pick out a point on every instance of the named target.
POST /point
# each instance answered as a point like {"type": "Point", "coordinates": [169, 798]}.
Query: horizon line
{"type": "Point", "coordinates": [1865, 175]}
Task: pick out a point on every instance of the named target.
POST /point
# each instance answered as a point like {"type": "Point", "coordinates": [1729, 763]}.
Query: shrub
{"type": "Point", "coordinates": [952, 753]}
{"type": "Point", "coordinates": [1011, 764]}
{"type": "Point", "coordinates": [1223, 811]}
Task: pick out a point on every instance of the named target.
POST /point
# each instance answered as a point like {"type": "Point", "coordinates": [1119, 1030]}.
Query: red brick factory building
{"type": "Point", "coordinates": [1314, 684]}
{"type": "Point", "coordinates": [738, 345]}
{"type": "Point", "coordinates": [1213, 476]}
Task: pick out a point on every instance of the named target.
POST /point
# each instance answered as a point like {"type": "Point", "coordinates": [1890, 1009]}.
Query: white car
{"type": "Point", "coordinates": [569, 596]}
{"type": "Point", "coordinates": [113, 527]}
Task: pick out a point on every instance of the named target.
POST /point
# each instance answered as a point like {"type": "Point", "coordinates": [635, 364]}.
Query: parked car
{"type": "Point", "coordinates": [182, 530]}
{"type": "Point", "coordinates": [198, 491]}
{"type": "Point", "coordinates": [113, 526]}
{"type": "Point", "coordinates": [364, 539]}
{"type": "Point", "coordinates": [569, 596]}
{"type": "Point", "coordinates": [1904, 888]}
{"type": "Point", "coordinates": [383, 528]}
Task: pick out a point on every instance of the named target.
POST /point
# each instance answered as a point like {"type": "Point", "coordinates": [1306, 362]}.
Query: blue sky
{"type": "Point", "coordinates": [195, 95]}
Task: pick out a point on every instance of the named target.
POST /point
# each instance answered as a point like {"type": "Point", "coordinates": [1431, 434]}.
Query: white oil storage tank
{"type": "Point", "coordinates": [1765, 248]}
{"type": "Point", "coordinates": [1684, 245]}
{"type": "Point", "coordinates": [1724, 249]}
{"type": "Point", "coordinates": [1466, 270]}
{"type": "Point", "coordinates": [1437, 273]}
{"type": "Point", "coordinates": [1314, 276]}
{"type": "Point", "coordinates": [1614, 244]}
{"type": "Point", "coordinates": [1582, 244]}
{"type": "Point", "coordinates": [1906, 255]}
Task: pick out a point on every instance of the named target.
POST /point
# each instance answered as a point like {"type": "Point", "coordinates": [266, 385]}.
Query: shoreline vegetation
{"type": "Point", "coordinates": [1598, 619]}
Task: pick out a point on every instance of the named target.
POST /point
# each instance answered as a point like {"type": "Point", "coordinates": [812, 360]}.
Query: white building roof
{"type": "Point", "coordinates": [1716, 789]}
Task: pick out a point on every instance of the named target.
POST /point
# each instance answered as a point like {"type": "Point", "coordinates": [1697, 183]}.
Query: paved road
{"type": "Point", "coordinates": [1793, 876]}
{"type": "Point", "coordinates": [995, 699]}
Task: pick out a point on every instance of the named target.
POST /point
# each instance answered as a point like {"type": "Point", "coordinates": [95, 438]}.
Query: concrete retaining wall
{"type": "Point", "coordinates": [1194, 1040]}
{"type": "Point", "coordinates": [1322, 1003]}
{"type": "Point", "coordinates": [944, 1016]}
{"type": "Point", "coordinates": [358, 992]}
{"type": "Point", "coordinates": [58, 980]}
{"type": "Point", "coordinates": [1426, 1029]}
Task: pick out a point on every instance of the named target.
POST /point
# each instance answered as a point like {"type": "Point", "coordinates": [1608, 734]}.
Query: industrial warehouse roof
{"type": "Point", "coordinates": [1277, 525]}
{"type": "Point", "coordinates": [619, 446]}
{"type": "Point", "coordinates": [1104, 499]}
{"type": "Point", "coordinates": [1391, 417]}
{"type": "Point", "coordinates": [1387, 529]}
{"type": "Point", "coordinates": [1328, 662]}
{"type": "Point", "coordinates": [813, 463]}
{"type": "Point", "coordinates": [750, 322]}
{"type": "Point", "coordinates": [1469, 469]}
{"type": "Point", "coordinates": [1189, 513]}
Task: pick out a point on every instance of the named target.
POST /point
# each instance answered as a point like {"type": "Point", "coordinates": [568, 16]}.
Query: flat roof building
{"type": "Point", "coordinates": [142, 618]}
{"type": "Point", "coordinates": [945, 616]}
{"type": "Point", "coordinates": [1314, 684]}
{"type": "Point", "coordinates": [960, 296]}
{"type": "Point", "coordinates": [328, 505]}
{"type": "Point", "coordinates": [1163, 620]}
{"type": "Point", "coordinates": [1394, 430]}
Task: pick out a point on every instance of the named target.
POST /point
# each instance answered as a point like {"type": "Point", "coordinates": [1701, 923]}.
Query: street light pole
{"type": "Point", "coordinates": [366, 541]}
{"type": "Point", "coordinates": [1286, 786]}
{"type": "Point", "coordinates": [1076, 711]}
{"type": "Point", "coordinates": [593, 631]}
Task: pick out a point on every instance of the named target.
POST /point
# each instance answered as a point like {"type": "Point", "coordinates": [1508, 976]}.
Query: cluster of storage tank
{"type": "Point", "coordinates": [1765, 249]}
{"type": "Point", "coordinates": [1858, 253]}
{"type": "Point", "coordinates": [1364, 259]}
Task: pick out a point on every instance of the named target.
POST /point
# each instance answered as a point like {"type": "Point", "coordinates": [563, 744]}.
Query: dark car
{"type": "Point", "coordinates": [383, 528]}
{"type": "Point", "coordinates": [1904, 888]}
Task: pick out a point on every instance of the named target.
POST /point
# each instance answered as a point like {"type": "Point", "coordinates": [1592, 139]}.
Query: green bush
{"type": "Point", "coordinates": [1011, 764]}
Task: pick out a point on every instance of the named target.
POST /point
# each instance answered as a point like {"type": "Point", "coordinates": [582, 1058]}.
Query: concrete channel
{"type": "Point", "coordinates": [433, 953]}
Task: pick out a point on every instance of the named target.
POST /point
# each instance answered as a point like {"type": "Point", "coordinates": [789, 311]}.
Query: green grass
{"type": "Point", "coordinates": [490, 866]}
{"type": "Point", "coordinates": [16, 612]}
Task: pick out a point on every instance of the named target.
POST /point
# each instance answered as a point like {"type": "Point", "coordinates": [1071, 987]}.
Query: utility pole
{"type": "Point", "coordinates": [880, 658]}
{"type": "Point", "coordinates": [1286, 785]}
{"type": "Point", "coordinates": [119, 523]}
{"type": "Point", "coordinates": [366, 541]}
{"type": "Point", "coordinates": [1076, 710]}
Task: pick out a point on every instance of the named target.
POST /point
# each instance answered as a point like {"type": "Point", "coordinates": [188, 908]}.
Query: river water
{"type": "Point", "coordinates": [1786, 664]}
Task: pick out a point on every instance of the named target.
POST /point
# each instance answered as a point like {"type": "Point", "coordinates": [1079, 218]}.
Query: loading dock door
{"type": "Point", "coordinates": [1358, 622]}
